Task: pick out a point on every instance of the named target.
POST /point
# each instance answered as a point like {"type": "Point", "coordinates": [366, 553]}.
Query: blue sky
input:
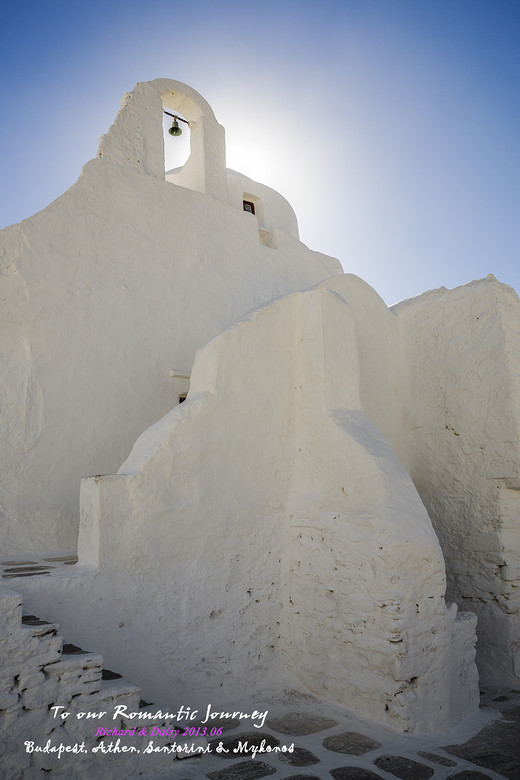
{"type": "Point", "coordinates": [392, 126]}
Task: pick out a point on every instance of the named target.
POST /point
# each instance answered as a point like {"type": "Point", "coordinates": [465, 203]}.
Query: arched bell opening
{"type": "Point", "coordinates": [205, 168]}
{"type": "Point", "coordinates": [176, 133]}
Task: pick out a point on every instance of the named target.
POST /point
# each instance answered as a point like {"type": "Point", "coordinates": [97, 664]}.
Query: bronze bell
{"type": "Point", "coordinates": [175, 129]}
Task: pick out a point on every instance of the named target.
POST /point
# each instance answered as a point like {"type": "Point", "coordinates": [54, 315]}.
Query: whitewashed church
{"type": "Point", "coordinates": [284, 482]}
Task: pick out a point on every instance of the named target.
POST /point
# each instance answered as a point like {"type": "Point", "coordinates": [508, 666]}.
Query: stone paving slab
{"type": "Point", "coordinates": [303, 777]}
{"type": "Point", "coordinates": [404, 768]}
{"type": "Point", "coordinates": [512, 714]}
{"type": "Point", "coordinates": [435, 759]}
{"type": "Point", "coordinates": [353, 773]}
{"type": "Point", "coordinates": [350, 742]}
{"type": "Point", "coordinates": [496, 747]}
{"type": "Point", "coordinates": [300, 724]}
{"type": "Point", "coordinates": [300, 757]}
{"type": "Point", "coordinates": [246, 770]}
{"type": "Point", "coordinates": [468, 775]}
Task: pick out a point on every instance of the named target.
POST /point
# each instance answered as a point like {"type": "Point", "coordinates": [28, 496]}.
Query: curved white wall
{"type": "Point", "coordinates": [264, 531]}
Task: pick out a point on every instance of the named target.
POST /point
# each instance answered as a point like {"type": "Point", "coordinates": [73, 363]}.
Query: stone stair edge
{"type": "Point", "coordinates": [12, 601]}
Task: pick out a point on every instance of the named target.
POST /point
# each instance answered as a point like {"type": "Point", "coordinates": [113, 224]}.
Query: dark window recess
{"type": "Point", "coordinates": [182, 397]}
{"type": "Point", "coordinates": [248, 206]}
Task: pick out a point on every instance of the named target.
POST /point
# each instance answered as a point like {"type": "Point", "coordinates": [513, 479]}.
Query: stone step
{"type": "Point", "coordinates": [38, 673]}
{"type": "Point", "coordinates": [113, 689]}
{"type": "Point", "coordinates": [69, 664]}
{"type": "Point", "coordinates": [39, 627]}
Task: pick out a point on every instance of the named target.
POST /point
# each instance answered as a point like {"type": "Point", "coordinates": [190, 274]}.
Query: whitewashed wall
{"type": "Point", "coordinates": [108, 290]}
{"type": "Point", "coordinates": [263, 498]}
{"type": "Point", "coordinates": [462, 427]}
{"type": "Point", "coordinates": [265, 528]}
{"type": "Point", "coordinates": [439, 377]}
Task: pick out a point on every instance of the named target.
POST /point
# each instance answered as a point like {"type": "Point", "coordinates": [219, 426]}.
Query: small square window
{"type": "Point", "coordinates": [249, 206]}
{"type": "Point", "coordinates": [183, 397]}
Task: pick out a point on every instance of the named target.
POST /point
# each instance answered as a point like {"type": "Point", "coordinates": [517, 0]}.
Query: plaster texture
{"type": "Point", "coordinates": [294, 549]}
{"type": "Point", "coordinates": [439, 377]}
{"type": "Point", "coordinates": [110, 289]}
{"type": "Point", "coordinates": [273, 529]}
{"type": "Point", "coordinates": [38, 674]}
{"type": "Point", "coordinates": [463, 452]}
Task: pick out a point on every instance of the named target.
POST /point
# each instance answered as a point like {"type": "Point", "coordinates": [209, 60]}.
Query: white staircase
{"type": "Point", "coordinates": [42, 679]}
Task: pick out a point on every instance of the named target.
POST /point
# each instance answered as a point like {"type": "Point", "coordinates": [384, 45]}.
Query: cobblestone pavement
{"type": "Point", "coordinates": [332, 743]}
{"type": "Point", "coordinates": [35, 566]}
{"type": "Point", "coordinates": [328, 743]}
